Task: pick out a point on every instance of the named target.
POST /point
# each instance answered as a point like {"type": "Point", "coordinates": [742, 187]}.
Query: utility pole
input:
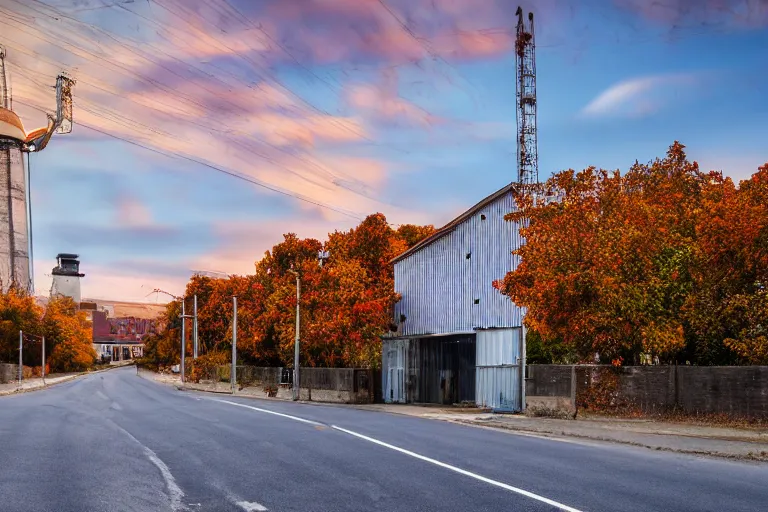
{"type": "Point", "coordinates": [184, 317]}
{"type": "Point", "coordinates": [296, 387]}
{"type": "Point", "coordinates": [194, 327]}
{"type": "Point", "coordinates": [43, 367]}
{"type": "Point", "coordinates": [21, 348]}
{"type": "Point", "coordinates": [183, 337]}
{"type": "Point", "coordinates": [233, 371]}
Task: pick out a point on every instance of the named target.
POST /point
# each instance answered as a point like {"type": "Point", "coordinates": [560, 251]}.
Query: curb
{"type": "Point", "coordinates": [753, 457]}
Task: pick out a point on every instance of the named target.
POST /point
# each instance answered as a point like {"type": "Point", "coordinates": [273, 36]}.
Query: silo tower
{"type": "Point", "coordinates": [15, 247]}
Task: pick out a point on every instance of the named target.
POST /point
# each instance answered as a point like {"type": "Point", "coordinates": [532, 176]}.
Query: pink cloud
{"type": "Point", "coordinates": [130, 212]}
{"type": "Point", "coordinates": [109, 282]}
{"type": "Point", "coordinates": [349, 30]}
{"type": "Point", "coordinates": [382, 102]}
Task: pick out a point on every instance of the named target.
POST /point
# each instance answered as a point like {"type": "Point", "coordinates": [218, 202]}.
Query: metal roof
{"type": "Point", "coordinates": [455, 222]}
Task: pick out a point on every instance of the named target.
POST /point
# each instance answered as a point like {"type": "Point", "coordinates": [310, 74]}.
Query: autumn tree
{"type": "Point", "coordinates": [411, 234]}
{"type": "Point", "coordinates": [164, 348]}
{"type": "Point", "coordinates": [728, 312]}
{"type": "Point", "coordinates": [69, 333]}
{"type": "Point", "coordinates": [18, 311]}
{"type": "Point", "coordinates": [606, 264]}
{"type": "Point", "coordinates": [346, 303]}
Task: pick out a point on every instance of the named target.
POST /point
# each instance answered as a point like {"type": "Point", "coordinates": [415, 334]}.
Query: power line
{"type": "Point", "coordinates": [335, 179]}
{"type": "Point", "coordinates": [170, 154]}
{"type": "Point", "coordinates": [221, 170]}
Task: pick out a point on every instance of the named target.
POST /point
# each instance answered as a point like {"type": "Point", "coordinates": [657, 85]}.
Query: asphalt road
{"type": "Point", "coordinates": [114, 441]}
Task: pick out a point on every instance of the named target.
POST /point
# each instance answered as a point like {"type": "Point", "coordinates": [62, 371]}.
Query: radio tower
{"type": "Point", "coordinates": [527, 146]}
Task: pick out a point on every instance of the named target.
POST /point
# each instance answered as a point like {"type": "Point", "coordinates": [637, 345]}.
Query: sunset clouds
{"type": "Point", "coordinates": [327, 110]}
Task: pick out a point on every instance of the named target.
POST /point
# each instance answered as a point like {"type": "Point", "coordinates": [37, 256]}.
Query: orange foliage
{"type": "Point", "coordinates": [623, 264]}
{"type": "Point", "coordinates": [345, 305]}
{"type": "Point", "coordinates": [18, 311]}
{"type": "Point", "coordinates": [67, 330]}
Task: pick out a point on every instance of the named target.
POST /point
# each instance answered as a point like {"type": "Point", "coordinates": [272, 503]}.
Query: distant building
{"type": "Point", "coordinates": [457, 338]}
{"type": "Point", "coordinates": [66, 277]}
{"type": "Point", "coordinates": [119, 327]}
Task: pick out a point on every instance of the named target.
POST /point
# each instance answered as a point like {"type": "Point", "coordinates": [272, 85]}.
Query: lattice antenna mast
{"type": "Point", "coordinates": [527, 144]}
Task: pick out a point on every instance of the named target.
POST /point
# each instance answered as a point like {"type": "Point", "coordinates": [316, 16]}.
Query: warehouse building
{"type": "Point", "coordinates": [458, 339]}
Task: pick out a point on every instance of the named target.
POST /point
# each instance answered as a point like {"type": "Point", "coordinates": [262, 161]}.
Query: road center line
{"type": "Point", "coordinates": [175, 494]}
{"type": "Point", "coordinates": [267, 411]}
{"type": "Point", "coordinates": [460, 471]}
{"type": "Point", "coordinates": [251, 506]}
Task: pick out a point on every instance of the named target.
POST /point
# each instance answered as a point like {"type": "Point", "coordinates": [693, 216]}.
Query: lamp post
{"type": "Point", "coordinates": [184, 317]}
{"type": "Point", "coordinates": [296, 392]}
{"type": "Point", "coordinates": [321, 257]}
{"type": "Point", "coordinates": [233, 370]}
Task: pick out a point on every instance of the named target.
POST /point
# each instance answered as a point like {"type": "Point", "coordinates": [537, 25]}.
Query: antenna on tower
{"type": "Point", "coordinates": [525, 59]}
{"type": "Point", "coordinates": [4, 93]}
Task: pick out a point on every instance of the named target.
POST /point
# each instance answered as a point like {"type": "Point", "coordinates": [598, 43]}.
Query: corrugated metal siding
{"type": "Point", "coordinates": [498, 347]}
{"type": "Point", "coordinates": [498, 379]}
{"type": "Point", "coordinates": [439, 284]}
{"type": "Point", "coordinates": [393, 370]}
{"type": "Point", "coordinates": [496, 387]}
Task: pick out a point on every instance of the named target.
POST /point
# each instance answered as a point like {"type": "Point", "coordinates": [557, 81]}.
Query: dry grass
{"type": "Point", "coordinates": [677, 416]}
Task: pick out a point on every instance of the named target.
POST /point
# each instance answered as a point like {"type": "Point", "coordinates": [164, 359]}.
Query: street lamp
{"type": "Point", "coordinates": [321, 257]}
{"type": "Point", "coordinates": [296, 342]}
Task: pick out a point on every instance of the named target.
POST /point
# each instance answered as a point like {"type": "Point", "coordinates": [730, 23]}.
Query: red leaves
{"type": "Point", "coordinates": [345, 304]}
{"type": "Point", "coordinates": [621, 262]}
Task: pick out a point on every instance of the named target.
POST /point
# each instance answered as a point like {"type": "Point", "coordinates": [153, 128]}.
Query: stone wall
{"type": "Point", "coordinates": [734, 390]}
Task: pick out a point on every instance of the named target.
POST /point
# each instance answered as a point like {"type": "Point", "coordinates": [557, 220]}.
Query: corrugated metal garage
{"type": "Point", "coordinates": [448, 302]}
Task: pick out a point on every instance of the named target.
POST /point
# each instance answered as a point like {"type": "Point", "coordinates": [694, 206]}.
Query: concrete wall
{"type": "Point", "coordinates": [733, 390]}
{"type": "Point", "coordinates": [740, 391]}
{"type": "Point", "coordinates": [69, 286]}
{"type": "Point", "coordinates": [550, 390]}
{"type": "Point", "coordinates": [339, 385]}
{"type": "Point", "coordinates": [8, 373]}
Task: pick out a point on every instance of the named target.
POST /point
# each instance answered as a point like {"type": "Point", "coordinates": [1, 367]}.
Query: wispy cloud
{"type": "Point", "coordinates": [200, 79]}
{"type": "Point", "coordinates": [702, 14]}
{"type": "Point", "coordinates": [637, 97]}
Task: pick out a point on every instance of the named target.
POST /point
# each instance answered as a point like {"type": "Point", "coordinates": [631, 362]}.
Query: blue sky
{"type": "Point", "coordinates": [407, 110]}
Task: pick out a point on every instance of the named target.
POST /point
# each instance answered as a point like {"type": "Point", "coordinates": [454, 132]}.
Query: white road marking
{"type": "Point", "coordinates": [464, 472]}
{"type": "Point", "coordinates": [460, 471]}
{"type": "Point", "coordinates": [102, 395]}
{"type": "Point", "coordinates": [267, 411]}
{"type": "Point", "coordinates": [251, 506]}
{"type": "Point", "coordinates": [175, 494]}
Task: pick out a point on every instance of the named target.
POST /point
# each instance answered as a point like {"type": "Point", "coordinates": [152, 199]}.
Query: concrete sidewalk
{"type": "Point", "coordinates": [37, 383]}
{"type": "Point", "coordinates": [737, 443]}
{"type": "Point", "coordinates": [741, 443]}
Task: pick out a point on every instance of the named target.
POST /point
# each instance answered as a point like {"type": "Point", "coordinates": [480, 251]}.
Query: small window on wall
{"type": "Point", "coordinates": [482, 216]}
{"type": "Point", "coordinates": [477, 301]}
{"type": "Point", "coordinates": [469, 255]}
